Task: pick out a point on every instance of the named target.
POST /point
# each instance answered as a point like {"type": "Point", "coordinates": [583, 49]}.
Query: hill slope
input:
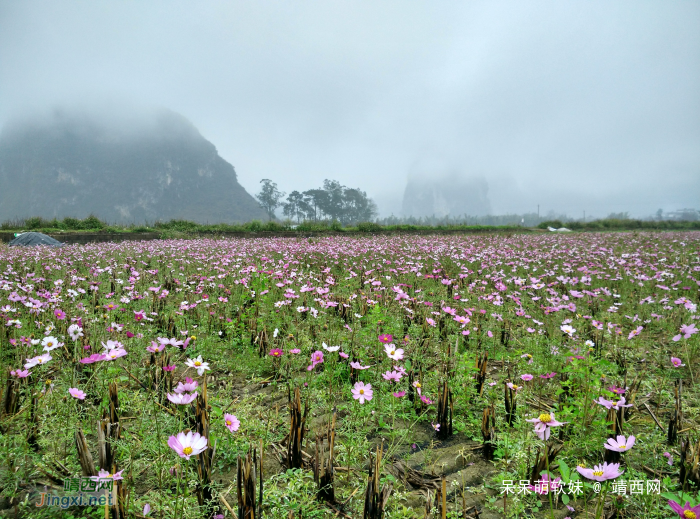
{"type": "Point", "coordinates": [127, 168]}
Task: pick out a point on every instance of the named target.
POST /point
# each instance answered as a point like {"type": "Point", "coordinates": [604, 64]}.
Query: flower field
{"type": "Point", "coordinates": [482, 376]}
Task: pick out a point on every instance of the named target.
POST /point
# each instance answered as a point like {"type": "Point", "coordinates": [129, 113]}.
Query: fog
{"type": "Point", "coordinates": [572, 106]}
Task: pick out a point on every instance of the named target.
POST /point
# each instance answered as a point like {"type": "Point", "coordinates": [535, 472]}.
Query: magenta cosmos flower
{"type": "Point", "coordinates": [601, 472]}
{"type": "Point", "coordinates": [687, 511]}
{"type": "Point", "coordinates": [362, 392]}
{"type": "Point", "coordinates": [76, 393]}
{"type": "Point", "coordinates": [386, 338]}
{"type": "Point", "coordinates": [232, 423]}
{"type": "Point", "coordinates": [187, 445]}
{"type": "Point", "coordinates": [621, 444]}
{"type": "Point", "coordinates": [543, 423]}
{"type": "Point", "coordinates": [95, 357]}
{"type": "Point", "coordinates": [276, 352]}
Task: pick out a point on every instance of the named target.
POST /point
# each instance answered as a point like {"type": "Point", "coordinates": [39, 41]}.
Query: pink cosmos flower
{"type": "Point", "coordinates": [60, 314]}
{"type": "Point", "coordinates": [685, 512]}
{"type": "Point", "coordinates": [182, 398]}
{"type": "Point", "coordinates": [399, 394]}
{"type": "Point", "coordinates": [169, 368]}
{"type": "Point", "coordinates": [430, 321]}
{"type": "Point", "coordinates": [543, 423]}
{"type": "Point", "coordinates": [276, 352]}
{"type": "Point", "coordinates": [687, 330]}
{"type": "Point", "coordinates": [601, 472]}
{"type": "Point", "coordinates": [545, 485]}
{"type": "Point", "coordinates": [187, 445]}
{"type": "Point", "coordinates": [526, 377]}
{"type": "Point", "coordinates": [621, 444]}
{"type": "Point", "coordinates": [426, 400]}
{"type": "Point", "coordinates": [188, 386]}
{"type": "Point", "coordinates": [38, 360]}
{"type": "Point", "coordinates": [316, 358]}
{"type": "Point", "coordinates": [20, 374]}
{"type": "Point", "coordinates": [103, 475]}
{"type": "Point", "coordinates": [527, 356]}
{"type": "Point", "coordinates": [391, 375]}
{"type": "Point", "coordinates": [548, 375]}
{"type": "Point", "coordinates": [139, 315]}
{"type": "Point", "coordinates": [362, 392]}
{"type": "Point", "coordinates": [676, 362]}
{"type": "Point", "coordinates": [617, 390]}
{"type": "Point", "coordinates": [386, 338]}
{"type": "Point", "coordinates": [436, 426]}
{"type": "Point", "coordinates": [393, 353]}
{"type": "Point", "coordinates": [155, 347]}
{"type": "Point", "coordinates": [343, 354]}
{"type": "Point", "coordinates": [634, 333]}
{"type": "Point", "coordinates": [669, 457]}
{"type": "Point", "coordinates": [610, 404]}
{"type": "Point", "coordinates": [76, 393]}
{"type": "Point", "coordinates": [232, 423]}
{"type": "Point", "coordinates": [170, 342]}
{"type": "Point", "coordinates": [417, 385]}
{"type": "Point", "coordinates": [294, 351]}
{"type": "Point", "coordinates": [357, 365]}
{"type": "Point", "coordinates": [514, 387]}
{"type": "Point", "coordinates": [114, 354]}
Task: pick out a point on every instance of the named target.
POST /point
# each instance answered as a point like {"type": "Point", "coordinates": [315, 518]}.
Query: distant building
{"type": "Point", "coordinates": [688, 215]}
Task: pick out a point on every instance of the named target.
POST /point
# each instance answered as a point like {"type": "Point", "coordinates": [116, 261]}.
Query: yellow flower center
{"type": "Point", "coordinates": [40, 361]}
{"type": "Point", "coordinates": [197, 363]}
{"type": "Point", "coordinates": [187, 450]}
{"type": "Point", "coordinates": [689, 514]}
{"type": "Point", "coordinates": [393, 352]}
{"type": "Point", "coordinates": [228, 422]}
{"type": "Point", "coordinates": [418, 385]}
{"type": "Point", "coordinates": [545, 418]}
{"type": "Point", "coordinates": [622, 446]}
{"type": "Point", "coordinates": [598, 473]}
{"type": "Point", "coordinates": [362, 391]}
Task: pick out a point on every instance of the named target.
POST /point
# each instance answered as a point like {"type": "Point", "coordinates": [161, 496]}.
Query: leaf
{"type": "Point", "coordinates": [565, 471]}
{"type": "Point", "coordinates": [565, 499]}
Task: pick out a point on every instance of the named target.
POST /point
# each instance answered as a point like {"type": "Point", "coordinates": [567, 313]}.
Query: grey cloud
{"type": "Point", "coordinates": [571, 105]}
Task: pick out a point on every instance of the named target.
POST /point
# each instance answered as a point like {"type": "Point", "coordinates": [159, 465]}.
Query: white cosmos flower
{"type": "Point", "coordinates": [50, 343]}
{"type": "Point", "coordinates": [198, 364]}
{"type": "Point", "coordinates": [330, 348]}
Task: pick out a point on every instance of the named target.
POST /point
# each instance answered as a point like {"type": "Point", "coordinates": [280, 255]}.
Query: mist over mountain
{"type": "Point", "coordinates": [124, 165]}
{"type": "Point", "coordinates": [435, 189]}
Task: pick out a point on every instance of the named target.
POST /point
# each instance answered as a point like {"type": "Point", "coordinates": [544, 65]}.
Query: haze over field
{"type": "Point", "coordinates": [573, 106]}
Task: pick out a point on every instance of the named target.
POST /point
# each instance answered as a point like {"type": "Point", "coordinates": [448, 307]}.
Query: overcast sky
{"type": "Point", "coordinates": [576, 105]}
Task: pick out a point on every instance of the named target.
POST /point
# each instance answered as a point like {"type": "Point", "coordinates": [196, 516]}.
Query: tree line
{"type": "Point", "coordinates": [333, 201]}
